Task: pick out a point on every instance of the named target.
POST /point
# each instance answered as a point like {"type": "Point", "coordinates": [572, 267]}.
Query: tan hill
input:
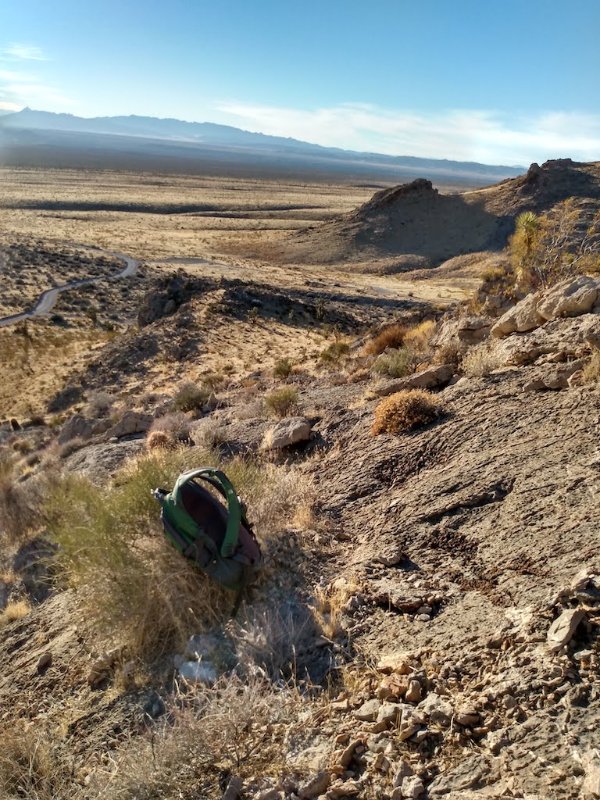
{"type": "Point", "coordinates": [421, 227]}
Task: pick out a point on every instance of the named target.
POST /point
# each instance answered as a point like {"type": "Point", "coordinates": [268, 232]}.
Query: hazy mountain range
{"type": "Point", "coordinates": [42, 138]}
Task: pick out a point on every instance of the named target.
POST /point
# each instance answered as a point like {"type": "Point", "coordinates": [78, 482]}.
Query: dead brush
{"type": "Point", "coordinates": [329, 605]}
{"type": "Point", "coordinates": [591, 371]}
{"type": "Point", "coordinates": [404, 411]}
{"type": "Point", "coordinates": [237, 726]}
{"type": "Point", "coordinates": [390, 337]}
{"type": "Point", "coordinates": [15, 610]}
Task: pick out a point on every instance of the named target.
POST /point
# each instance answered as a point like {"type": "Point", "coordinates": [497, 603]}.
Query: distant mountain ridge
{"type": "Point", "coordinates": [173, 139]}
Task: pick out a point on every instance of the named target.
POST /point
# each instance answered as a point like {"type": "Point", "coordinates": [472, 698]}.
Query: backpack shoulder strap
{"type": "Point", "coordinates": [223, 485]}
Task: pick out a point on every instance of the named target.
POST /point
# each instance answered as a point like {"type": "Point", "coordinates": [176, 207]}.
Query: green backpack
{"type": "Point", "coordinates": [218, 539]}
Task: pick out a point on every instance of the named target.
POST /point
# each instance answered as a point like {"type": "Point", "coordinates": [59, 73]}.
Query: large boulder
{"type": "Point", "coordinates": [287, 432]}
{"type": "Point", "coordinates": [76, 427]}
{"type": "Point", "coordinates": [520, 318]}
{"type": "Point", "coordinates": [465, 331]}
{"type": "Point", "coordinates": [569, 298]}
{"type": "Point", "coordinates": [430, 378]}
{"type": "Point", "coordinates": [130, 423]}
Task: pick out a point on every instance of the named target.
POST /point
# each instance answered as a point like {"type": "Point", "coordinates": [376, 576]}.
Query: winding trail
{"type": "Point", "coordinates": [47, 299]}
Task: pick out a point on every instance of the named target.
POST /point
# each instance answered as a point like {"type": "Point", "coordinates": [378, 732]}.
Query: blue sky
{"type": "Point", "coordinates": [498, 81]}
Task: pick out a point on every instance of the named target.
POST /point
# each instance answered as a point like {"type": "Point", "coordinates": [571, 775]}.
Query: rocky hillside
{"type": "Point", "coordinates": [420, 227]}
{"type": "Point", "coordinates": [427, 623]}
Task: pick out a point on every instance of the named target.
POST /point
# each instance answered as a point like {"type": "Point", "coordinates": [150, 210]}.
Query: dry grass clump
{"type": "Point", "coordinates": [417, 337]}
{"type": "Point", "coordinates": [282, 402]}
{"type": "Point", "coordinates": [404, 411]}
{"type": "Point", "coordinates": [282, 368]}
{"type": "Point", "coordinates": [481, 360]}
{"type": "Point", "coordinates": [191, 397]}
{"type": "Point", "coordinates": [591, 371]}
{"type": "Point", "coordinates": [19, 499]}
{"type": "Point", "coordinates": [392, 336]}
{"type": "Point", "coordinates": [14, 611]}
{"type": "Point", "coordinates": [33, 766]}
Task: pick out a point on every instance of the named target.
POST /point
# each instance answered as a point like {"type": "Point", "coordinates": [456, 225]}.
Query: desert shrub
{"type": "Point", "coordinates": [395, 363]}
{"type": "Point", "coordinates": [160, 439]}
{"type": "Point", "coordinates": [137, 588]}
{"type": "Point", "coordinates": [282, 368]}
{"type": "Point", "coordinates": [417, 338]}
{"type": "Point", "coordinates": [392, 336]}
{"type": "Point", "coordinates": [591, 371]}
{"type": "Point", "coordinates": [99, 404]}
{"type": "Point", "coordinates": [481, 360]}
{"type": "Point", "coordinates": [404, 411]}
{"type": "Point", "coordinates": [111, 548]}
{"type": "Point", "coordinates": [177, 426]}
{"type": "Point", "coordinates": [548, 248]}
{"type": "Point", "coordinates": [282, 402]}
{"type": "Point", "coordinates": [334, 352]}
{"type": "Point", "coordinates": [34, 766]}
{"type": "Point", "coordinates": [222, 731]}
{"type": "Point", "coordinates": [448, 353]}
{"type": "Point", "coordinates": [72, 446]}
{"type": "Point", "coordinates": [19, 499]}
{"type": "Point", "coordinates": [14, 611]}
{"type": "Point", "coordinates": [213, 380]}
{"type": "Point", "coordinates": [190, 397]}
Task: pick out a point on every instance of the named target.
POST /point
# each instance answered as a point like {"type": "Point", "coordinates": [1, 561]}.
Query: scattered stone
{"type": "Point", "coordinates": [569, 298]}
{"type": "Point", "coordinates": [315, 786]}
{"type": "Point", "coordinates": [438, 710]}
{"type": "Point", "coordinates": [44, 661]}
{"type": "Point", "coordinates": [412, 787]}
{"type": "Point", "coordinates": [388, 714]}
{"type": "Point", "coordinates": [590, 788]}
{"type": "Point", "coordinates": [524, 316]}
{"type": "Point", "coordinates": [286, 433]}
{"type": "Point", "coordinates": [430, 378]}
{"type": "Point", "coordinates": [403, 770]}
{"type": "Point", "coordinates": [368, 711]}
{"type": "Point", "coordinates": [563, 628]}
{"type": "Point", "coordinates": [130, 423]}
{"type": "Point", "coordinates": [468, 717]}
{"type": "Point", "coordinates": [410, 723]}
{"type": "Point", "coordinates": [346, 789]}
{"type": "Point", "coordinates": [395, 662]}
{"type": "Point", "coordinates": [270, 794]}
{"type": "Point", "coordinates": [234, 789]}
{"type": "Point", "coordinates": [348, 753]}
{"type": "Point", "coordinates": [413, 693]}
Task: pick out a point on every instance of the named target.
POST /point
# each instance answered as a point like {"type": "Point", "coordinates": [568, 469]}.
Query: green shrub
{"type": "Point", "coordinates": [282, 368]}
{"type": "Point", "coordinates": [395, 363]}
{"type": "Point", "coordinates": [334, 352]}
{"type": "Point", "coordinates": [191, 397]}
{"type": "Point", "coordinates": [282, 402]}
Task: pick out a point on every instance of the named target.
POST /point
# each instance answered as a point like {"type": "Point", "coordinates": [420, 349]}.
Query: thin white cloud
{"type": "Point", "coordinates": [20, 86]}
{"type": "Point", "coordinates": [466, 135]}
{"type": "Point", "coordinates": [23, 52]}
